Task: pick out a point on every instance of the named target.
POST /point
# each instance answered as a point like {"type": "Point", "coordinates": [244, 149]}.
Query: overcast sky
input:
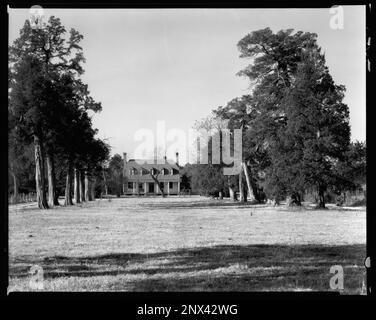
{"type": "Point", "coordinates": [177, 65]}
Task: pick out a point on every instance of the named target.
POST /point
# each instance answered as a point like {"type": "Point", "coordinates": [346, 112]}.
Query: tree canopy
{"type": "Point", "coordinates": [296, 132]}
{"type": "Point", "coordinates": [49, 105]}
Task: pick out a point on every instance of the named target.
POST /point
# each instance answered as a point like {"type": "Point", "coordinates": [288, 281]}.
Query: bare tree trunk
{"type": "Point", "coordinates": [118, 185]}
{"type": "Point", "coordinates": [86, 186]}
{"type": "Point", "coordinates": [76, 186]}
{"type": "Point", "coordinates": [299, 199]}
{"type": "Point", "coordinates": [241, 186]}
{"type": "Point", "coordinates": [68, 186]}
{"type": "Point", "coordinates": [52, 200]}
{"type": "Point", "coordinates": [250, 190]}
{"type": "Point", "coordinates": [92, 190]}
{"type": "Point", "coordinates": [155, 178]}
{"type": "Point", "coordinates": [231, 189]}
{"type": "Point", "coordinates": [15, 186]}
{"type": "Point", "coordinates": [321, 198]}
{"type": "Point", "coordinates": [245, 193]}
{"type": "Point", "coordinates": [105, 183]}
{"type": "Point", "coordinates": [39, 174]}
{"type": "Point", "coordinates": [242, 198]}
{"type": "Point", "coordinates": [82, 187]}
{"type": "Point", "coordinates": [56, 198]}
{"type": "Point", "coordinates": [232, 194]}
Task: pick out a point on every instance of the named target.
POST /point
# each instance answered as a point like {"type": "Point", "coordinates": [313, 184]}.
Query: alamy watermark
{"type": "Point", "coordinates": [336, 281]}
{"type": "Point", "coordinates": [36, 280]}
{"type": "Point", "coordinates": [336, 21]}
{"type": "Point", "coordinates": [222, 144]}
{"type": "Point", "coordinates": [37, 17]}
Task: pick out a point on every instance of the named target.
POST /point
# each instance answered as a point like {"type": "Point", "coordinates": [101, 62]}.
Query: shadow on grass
{"type": "Point", "coordinates": [202, 205]}
{"type": "Point", "coordinates": [225, 204]}
{"type": "Point", "coordinates": [217, 268]}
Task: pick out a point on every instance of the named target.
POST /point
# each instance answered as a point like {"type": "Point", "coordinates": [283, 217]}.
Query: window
{"type": "Point", "coordinates": [141, 186]}
{"type": "Point", "coordinates": [165, 172]}
{"type": "Point", "coordinates": [170, 185]}
{"type": "Point", "coordinates": [130, 185]}
{"type": "Point", "coordinates": [162, 185]}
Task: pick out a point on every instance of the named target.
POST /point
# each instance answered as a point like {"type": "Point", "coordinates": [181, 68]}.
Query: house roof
{"type": "Point", "coordinates": [138, 164]}
{"type": "Point", "coordinates": [148, 178]}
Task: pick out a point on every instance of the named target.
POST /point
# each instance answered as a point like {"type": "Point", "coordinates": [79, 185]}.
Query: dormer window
{"type": "Point", "coordinates": [165, 172]}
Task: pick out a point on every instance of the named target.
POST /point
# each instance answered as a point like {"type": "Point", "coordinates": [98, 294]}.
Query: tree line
{"type": "Point", "coordinates": [295, 137]}
{"type": "Point", "coordinates": [296, 132]}
{"type": "Point", "coordinates": [50, 108]}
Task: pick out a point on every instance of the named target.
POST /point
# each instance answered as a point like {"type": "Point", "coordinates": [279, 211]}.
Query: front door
{"type": "Point", "coordinates": [151, 187]}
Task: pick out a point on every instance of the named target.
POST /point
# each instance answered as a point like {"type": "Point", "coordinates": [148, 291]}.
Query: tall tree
{"type": "Point", "coordinates": [40, 56]}
{"type": "Point", "coordinates": [28, 108]}
{"type": "Point", "coordinates": [319, 123]}
{"type": "Point", "coordinates": [300, 120]}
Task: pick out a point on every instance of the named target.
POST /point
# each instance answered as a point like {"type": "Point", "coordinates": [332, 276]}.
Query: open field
{"type": "Point", "coordinates": [189, 244]}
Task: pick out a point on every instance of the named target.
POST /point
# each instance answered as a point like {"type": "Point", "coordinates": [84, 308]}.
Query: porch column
{"type": "Point", "coordinates": [156, 189]}
{"type": "Point", "coordinates": [145, 186]}
{"type": "Point", "coordinates": [178, 187]}
{"type": "Point", "coordinates": [168, 187]}
{"type": "Point", "coordinates": [134, 188]}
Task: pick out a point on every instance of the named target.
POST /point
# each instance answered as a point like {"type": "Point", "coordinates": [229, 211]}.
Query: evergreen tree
{"type": "Point", "coordinates": [49, 104]}
{"type": "Point", "coordinates": [299, 118]}
{"type": "Point", "coordinates": [318, 126]}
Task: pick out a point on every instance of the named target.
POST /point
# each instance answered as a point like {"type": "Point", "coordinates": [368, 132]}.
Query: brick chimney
{"type": "Point", "coordinates": [165, 159]}
{"type": "Point", "coordinates": [124, 159]}
{"type": "Point", "coordinates": [177, 158]}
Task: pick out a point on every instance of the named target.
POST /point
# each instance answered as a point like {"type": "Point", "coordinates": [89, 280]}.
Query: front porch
{"type": "Point", "coordinates": [151, 188]}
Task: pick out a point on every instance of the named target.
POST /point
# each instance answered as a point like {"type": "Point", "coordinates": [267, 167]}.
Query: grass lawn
{"type": "Point", "coordinates": [185, 244]}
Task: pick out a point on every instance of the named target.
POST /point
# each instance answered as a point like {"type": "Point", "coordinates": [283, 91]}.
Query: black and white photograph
{"type": "Point", "coordinates": [187, 150]}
